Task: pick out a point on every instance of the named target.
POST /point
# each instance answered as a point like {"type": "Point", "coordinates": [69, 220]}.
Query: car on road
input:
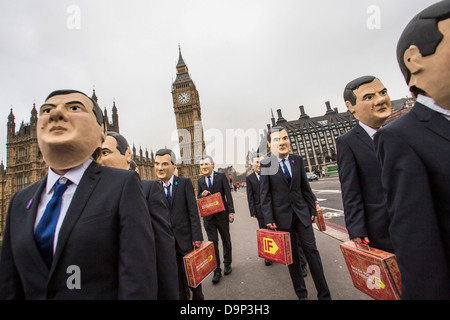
{"type": "Point", "coordinates": [312, 176]}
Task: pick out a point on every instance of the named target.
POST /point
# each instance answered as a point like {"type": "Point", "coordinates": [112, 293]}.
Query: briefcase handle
{"type": "Point", "coordinates": [362, 245]}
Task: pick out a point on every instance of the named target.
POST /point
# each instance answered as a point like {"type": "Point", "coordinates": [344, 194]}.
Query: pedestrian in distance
{"type": "Point", "coordinates": [253, 194]}
{"type": "Point", "coordinates": [184, 216]}
{"type": "Point", "coordinates": [288, 204]}
{"type": "Point", "coordinates": [219, 223]}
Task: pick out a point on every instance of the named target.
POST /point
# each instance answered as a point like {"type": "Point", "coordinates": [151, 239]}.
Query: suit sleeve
{"type": "Point", "coordinates": [199, 189]}
{"type": "Point", "coordinates": [250, 197]}
{"type": "Point", "coordinates": [10, 284]}
{"type": "Point", "coordinates": [350, 188]}
{"type": "Point", "coordinates": [193, 212]}
{"type": "Point", "coordinates": [137, 262]}
{"type": "Point", "coordinates": [266, 197]}
{"type": "Point", "coordinates": [227, 190]}
{"type": "Point", "coordinates": [307, 192]}
{"type": "Point", "coordinates": [414, 228]}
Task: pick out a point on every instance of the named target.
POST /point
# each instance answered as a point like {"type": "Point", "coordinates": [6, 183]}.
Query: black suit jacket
{"type": "Point", "coordinates": [164, 240]}
{"type": "Point", "coordinates": [107, 233]}
{"type": "Point", "coordinates": [220, 184]}
{"type": "Point", "coordinates": [363, 197]}
{"type": "Point", "coordinates": [184, 215]}
{"type": "Point", "coordinates": [254, 195]}
{"type": "Point", "coordinates": [280, 200]}
{"type": "Point", "coordinates": [414, 152]}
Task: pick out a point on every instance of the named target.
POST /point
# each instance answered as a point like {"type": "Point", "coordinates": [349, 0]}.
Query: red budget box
{"type": "Point", "coordinates": [373, 271]}
{"type": "Point", "coordinates": [274, 245]}
{"type": "Point", "coordinates": [210, 204]}
{"type": "Point", "coordinates": [200, 263]}
{"type": "Point", "coordinates": [319, 220]}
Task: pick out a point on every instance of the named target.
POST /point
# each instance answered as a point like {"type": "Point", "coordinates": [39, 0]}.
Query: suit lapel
{"type": "Point", "coordinates": [294, 169]}
{"type": "Point", "coordinates": [363, 136]}
{"type": "Point", "coordinates": [174, 189]}
{"type": "Point", "coordinates": [31, 212]}
{"type": "Point", "coordinates": [280, 171]}
{"type": "Point", "coordinates": [254, 177]}
{"type": "Point", "coordinates": [215, 182]}
{"type": "Point", "coordinates": [433, 121]}
{"type": "Point", "coordinates": [82, 194]}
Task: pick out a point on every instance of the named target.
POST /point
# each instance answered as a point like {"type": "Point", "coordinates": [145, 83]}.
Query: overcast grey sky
{"type": "Point", "coordinates": [246, 57]}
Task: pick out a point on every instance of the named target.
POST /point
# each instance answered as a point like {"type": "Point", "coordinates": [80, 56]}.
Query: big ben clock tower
{"type": "Point", "coordinates": [188, 115]}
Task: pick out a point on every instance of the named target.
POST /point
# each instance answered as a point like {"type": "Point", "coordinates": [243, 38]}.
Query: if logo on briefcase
{"type": "Point", "coordinates": [205, 262]}
{"type": "Point", "coordinates": [269, 246]}
{"type": "Point", "coordinates": [211, 204]}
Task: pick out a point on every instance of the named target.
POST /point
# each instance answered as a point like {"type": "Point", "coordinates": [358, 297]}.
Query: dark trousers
{"type": "Point", "coordinates": [197, 293]}
{"type": "Point", "coordinates": [213, 228]}
{"type": "Point", "coordinates": [305, 235]}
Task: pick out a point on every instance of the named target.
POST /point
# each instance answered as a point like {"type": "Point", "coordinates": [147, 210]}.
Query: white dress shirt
{"type": "Point", "coordinates": [212, 178]}
{"type": "Point", "coordinates": [74, 175]}
{"type": "Point", "coordinates": [169, 183]}
{"type": "Point", "coordinates": [288, 165]}
{"type": "Point", "coordinates": [430, 103]}
{"type": "Point", "coordinates": [370, 131]}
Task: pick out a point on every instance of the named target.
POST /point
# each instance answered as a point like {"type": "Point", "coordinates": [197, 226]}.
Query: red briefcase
{"type": "Point", "coordinates": [200, 263]}
{"type": "Point", "coordinates": [319, 220]}
{"type": "Point", "coordinates": [210, 204]}
{"type": "Point", "coordinates": [274, 245]}
{"type": "Point", "coordinates": [374, 272]}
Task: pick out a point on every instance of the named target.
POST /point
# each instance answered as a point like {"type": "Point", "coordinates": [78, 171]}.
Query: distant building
{"type": "Point", "coordinates": [314, 138]}
{"type": "Point", "coordinates": [25, 164]}
{"type": "Point", "coordinates": [400, 107]}
{"type": "Point", "coordinates": [188, 116]}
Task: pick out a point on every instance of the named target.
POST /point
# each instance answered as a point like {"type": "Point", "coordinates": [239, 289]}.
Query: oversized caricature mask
{"type": "Point", "coordinates": [423, 53]}
{"type": "Point", "coordinates": [116, 154]}
{"type": "Point", "coordinates": [68, 131]}
{"type": "Point", "coordinates": [371, 105]}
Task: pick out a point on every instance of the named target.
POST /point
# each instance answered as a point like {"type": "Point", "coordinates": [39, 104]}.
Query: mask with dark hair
{"type": "Point", "coordinates": [349, 95]}
{"type": "Point", "coordinates": [422, 31]}
{"type": "Point", "coordinates": [162, 152]}
{"type": "Point", "coordinates": [70, 129]}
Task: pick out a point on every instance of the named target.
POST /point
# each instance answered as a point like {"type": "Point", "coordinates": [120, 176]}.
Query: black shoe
{"type": "Point", "coordinates": [216, 277]}
{"type": "Point", "coordinates": [267, 262]}
{"type": "Point", "coordinates": [227, 270]}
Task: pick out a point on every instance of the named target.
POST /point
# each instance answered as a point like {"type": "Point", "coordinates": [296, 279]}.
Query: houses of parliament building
{"type": "Point", "coordinates": [25, 164]}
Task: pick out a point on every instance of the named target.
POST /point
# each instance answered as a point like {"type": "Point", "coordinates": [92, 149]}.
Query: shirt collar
{"type": "Point", "coordinates": [370, 131]}
{"type": "Point", "coordinates": [430, 103]}
{"type": "Point", "coordinates": [170, 182]}
{"type": "Point", "coordinates": [74, 175]}
{"type": "Point", "coordinates": [280, 159]}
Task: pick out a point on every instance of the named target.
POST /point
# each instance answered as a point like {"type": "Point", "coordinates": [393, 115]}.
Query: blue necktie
{"type": "Point", "coordinates": [45, 230]}
{"type": "Point", "coordinates": [286, 172]}
{"type": "Point", "coordinates": [169, 197]}
{"type": "Point", "coordinates": [210, 184]}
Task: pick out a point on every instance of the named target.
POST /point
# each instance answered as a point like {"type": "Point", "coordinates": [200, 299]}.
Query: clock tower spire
{"type": "Point", "coordinates": [186, 105]}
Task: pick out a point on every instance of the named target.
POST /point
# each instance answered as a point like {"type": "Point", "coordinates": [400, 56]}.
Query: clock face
{"type": "Point", "coordinates": [183, 97]}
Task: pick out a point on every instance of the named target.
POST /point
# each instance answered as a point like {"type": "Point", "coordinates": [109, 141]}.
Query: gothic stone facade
{"type": "Point", "coordinates": [25, 164]}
